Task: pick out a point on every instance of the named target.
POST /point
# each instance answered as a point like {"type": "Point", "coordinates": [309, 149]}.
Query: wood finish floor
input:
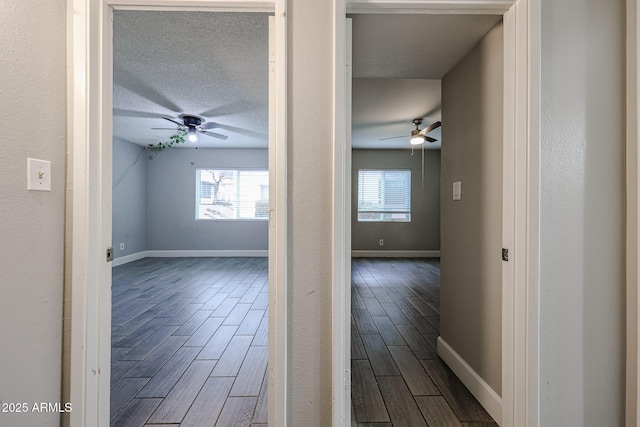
{"type": "Point", "coordinates": [189, 342]}
{"type": "Point", "coordinates": [189, 345]}
{"type": "Point", "coordinates": [397, 377]}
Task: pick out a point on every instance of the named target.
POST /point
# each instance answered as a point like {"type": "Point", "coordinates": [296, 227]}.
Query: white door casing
{"type": "Point", "coordinates": [632, 366]}
{"type": "Point", "coordinates": [520, 291]}
{"type": "Point", "coordinates": [90, 87]}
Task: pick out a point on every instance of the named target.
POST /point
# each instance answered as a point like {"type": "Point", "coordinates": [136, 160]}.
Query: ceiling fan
{"type": "Point", "coordinates": [193, 125]}
{"type": "Point", "coordinates": [419, 136]}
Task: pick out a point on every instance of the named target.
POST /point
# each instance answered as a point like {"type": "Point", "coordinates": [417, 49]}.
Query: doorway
{"type": "Point", "coordinates": [398, 198]}
{"type": "Point", "coordinates": [519, 281]}
{"type": "Point", "coordinates": [90, 274]}
{"type": "Point", "coordinates": [189, 321]}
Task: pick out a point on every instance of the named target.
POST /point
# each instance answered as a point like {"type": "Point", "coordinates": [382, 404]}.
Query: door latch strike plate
{"type": "Point", "coordinates": [505, 254]}
{"type": "Point", "coordinates": [109, 254]}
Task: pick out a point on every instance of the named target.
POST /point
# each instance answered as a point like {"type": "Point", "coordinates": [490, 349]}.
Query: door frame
{"type": "Point", "coordinates": [632, 354]}
{"type": "Point", "coordinates": [88, 217]}
{"type": "Point", "coordinates": [520, 288]}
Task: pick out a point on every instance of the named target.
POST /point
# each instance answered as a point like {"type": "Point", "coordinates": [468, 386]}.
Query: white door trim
{"type": "Point", "coordinates": [632, 368]}
{"type": "Point", "coordinates": [341, 237]}
{"type": "Point", "coordinates": [89, 104]}
{"type": "Point", "coordinates": [520, 299]}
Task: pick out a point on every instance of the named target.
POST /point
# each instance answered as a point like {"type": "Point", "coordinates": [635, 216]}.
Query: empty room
{"type": "Point", "coordinates": [190, 210]}
{"type": "Point", "coordinates": [426, 219]}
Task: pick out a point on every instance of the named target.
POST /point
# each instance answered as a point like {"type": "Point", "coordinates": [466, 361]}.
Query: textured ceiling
{"type": "Point", "coordinates": [215, 65]}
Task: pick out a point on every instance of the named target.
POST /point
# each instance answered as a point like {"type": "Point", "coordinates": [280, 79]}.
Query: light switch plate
{"type": "Point", "coordinates": [457, 190]}
{"type": "Point", "coordinates": [38, 175]}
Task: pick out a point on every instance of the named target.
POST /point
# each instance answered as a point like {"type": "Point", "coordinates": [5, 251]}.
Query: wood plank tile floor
{"type": "Point", "coordinates": [189, 342]}
{"type": "Point", "coordinates": [189, 345]}
{"type": "Point", "coordinates": [397, 377]}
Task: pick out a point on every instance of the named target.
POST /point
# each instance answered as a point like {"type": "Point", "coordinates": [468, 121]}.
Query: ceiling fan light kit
{"type": "Point", "coordinates": [193, 137]}
{"type": "Point", "coordinates": [416, 138]}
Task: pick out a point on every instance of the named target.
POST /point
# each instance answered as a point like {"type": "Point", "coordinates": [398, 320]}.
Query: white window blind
{"type": "Point", "coordinates": [384, 195]}
{"type": "Point", "coordinates": [232, 194]}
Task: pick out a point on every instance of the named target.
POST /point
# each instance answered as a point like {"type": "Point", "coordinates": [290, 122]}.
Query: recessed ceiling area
{"type": "Point", "coordinates": [209, 64]}
{"type": "Point", "coordinates": [398, 62]}
{"type": "Point", "coordinates": [215, 65]}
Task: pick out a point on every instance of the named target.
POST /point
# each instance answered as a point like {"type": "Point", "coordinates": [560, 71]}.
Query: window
{"type": "Point", "coordinates": [384, 195]}
{"type": "Point", "coordinates": [232, 194]}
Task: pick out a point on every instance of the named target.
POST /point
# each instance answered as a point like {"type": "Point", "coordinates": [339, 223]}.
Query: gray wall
{"type": "Point", "coordinates": [582, 213]}
{"type": "Point", "coordinates": [423, 232]}
{"type": "Point", "coordinates": [582, 228]}
{"type": "Point", "coordinates": [129, 198]}
{"type": "Point", "coordinates": [471, 270]}
{"type": "Point", "coordinates": [310, 136]}
{"type": "Point", "coordinates": [171, 187]}
{"type": "Point", "coordinates": [33, 122]}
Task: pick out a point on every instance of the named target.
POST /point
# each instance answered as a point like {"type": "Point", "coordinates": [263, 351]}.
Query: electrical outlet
{"type": "Point", "coordinates": [122, 246]}
{"type": "Point", "coordinates": [381, 242]}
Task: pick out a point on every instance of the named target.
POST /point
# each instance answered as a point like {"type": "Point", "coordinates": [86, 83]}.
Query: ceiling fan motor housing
{"type": "Point", "coordinates": [191, 121]}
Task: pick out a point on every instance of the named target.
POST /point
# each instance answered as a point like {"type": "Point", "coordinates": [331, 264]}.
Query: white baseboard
{"type": "Point", "coordinates": [189, 253]}
{"type": "Point", "coordinates": [487, 397]}
{"type": "Point", "coordinates": [395, 254]}
{"type": "Point", "coordinates": [208, 253]}
{"type": "Point", "coordinates": [126, 259]}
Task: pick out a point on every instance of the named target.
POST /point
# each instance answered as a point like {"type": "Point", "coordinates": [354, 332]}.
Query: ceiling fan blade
{"type": "Point", "coordinates": [392, 137]}
{"type": "Point", "coordinates": [141, 87]}
{"type": "Point", "coordinates": [231, 108]}
{"type": "Point", "coordinates": [209, 125]}
{"type": "Point", "coordinates": [174, 121]}
{"type": "Point", "coordinates": [429, 139]}
{"type": "Point", "coordinates": [245, 132]}
{"type": "Point", "coordinates": [431, 127]}
{"type": "Point", "coordinates": [173, 129]}
{"type": "Point", "coordinates": [121, 112]}
{"type": "Point", "coordinates": [214, 135]}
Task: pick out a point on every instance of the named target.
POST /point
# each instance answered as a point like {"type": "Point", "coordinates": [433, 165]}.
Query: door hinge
{"type": "Point", "coordinates": [109, 254]}
{"type": "Point", "coordinates": [505, 254]}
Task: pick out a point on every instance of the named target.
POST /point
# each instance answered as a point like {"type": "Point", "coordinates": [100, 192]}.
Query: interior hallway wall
{"type": "Point", "coordinates": [582, 213]}
{"type": "Point", "coordinates": [33, 120]}
{"type": "Point", "coordinates": [310, 177]}
{"type": "Point", "coordinates": [470, 263]}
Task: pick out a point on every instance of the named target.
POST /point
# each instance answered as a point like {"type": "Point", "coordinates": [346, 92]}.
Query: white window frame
{"type": "Point", "coordinates": [360, 185]}
{"type": "Point", "coordinates": [199, 189]}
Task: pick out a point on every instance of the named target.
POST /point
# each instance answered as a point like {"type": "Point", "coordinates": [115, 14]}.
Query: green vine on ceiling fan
{"type": "Point", "coordinates": [177, 138]}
